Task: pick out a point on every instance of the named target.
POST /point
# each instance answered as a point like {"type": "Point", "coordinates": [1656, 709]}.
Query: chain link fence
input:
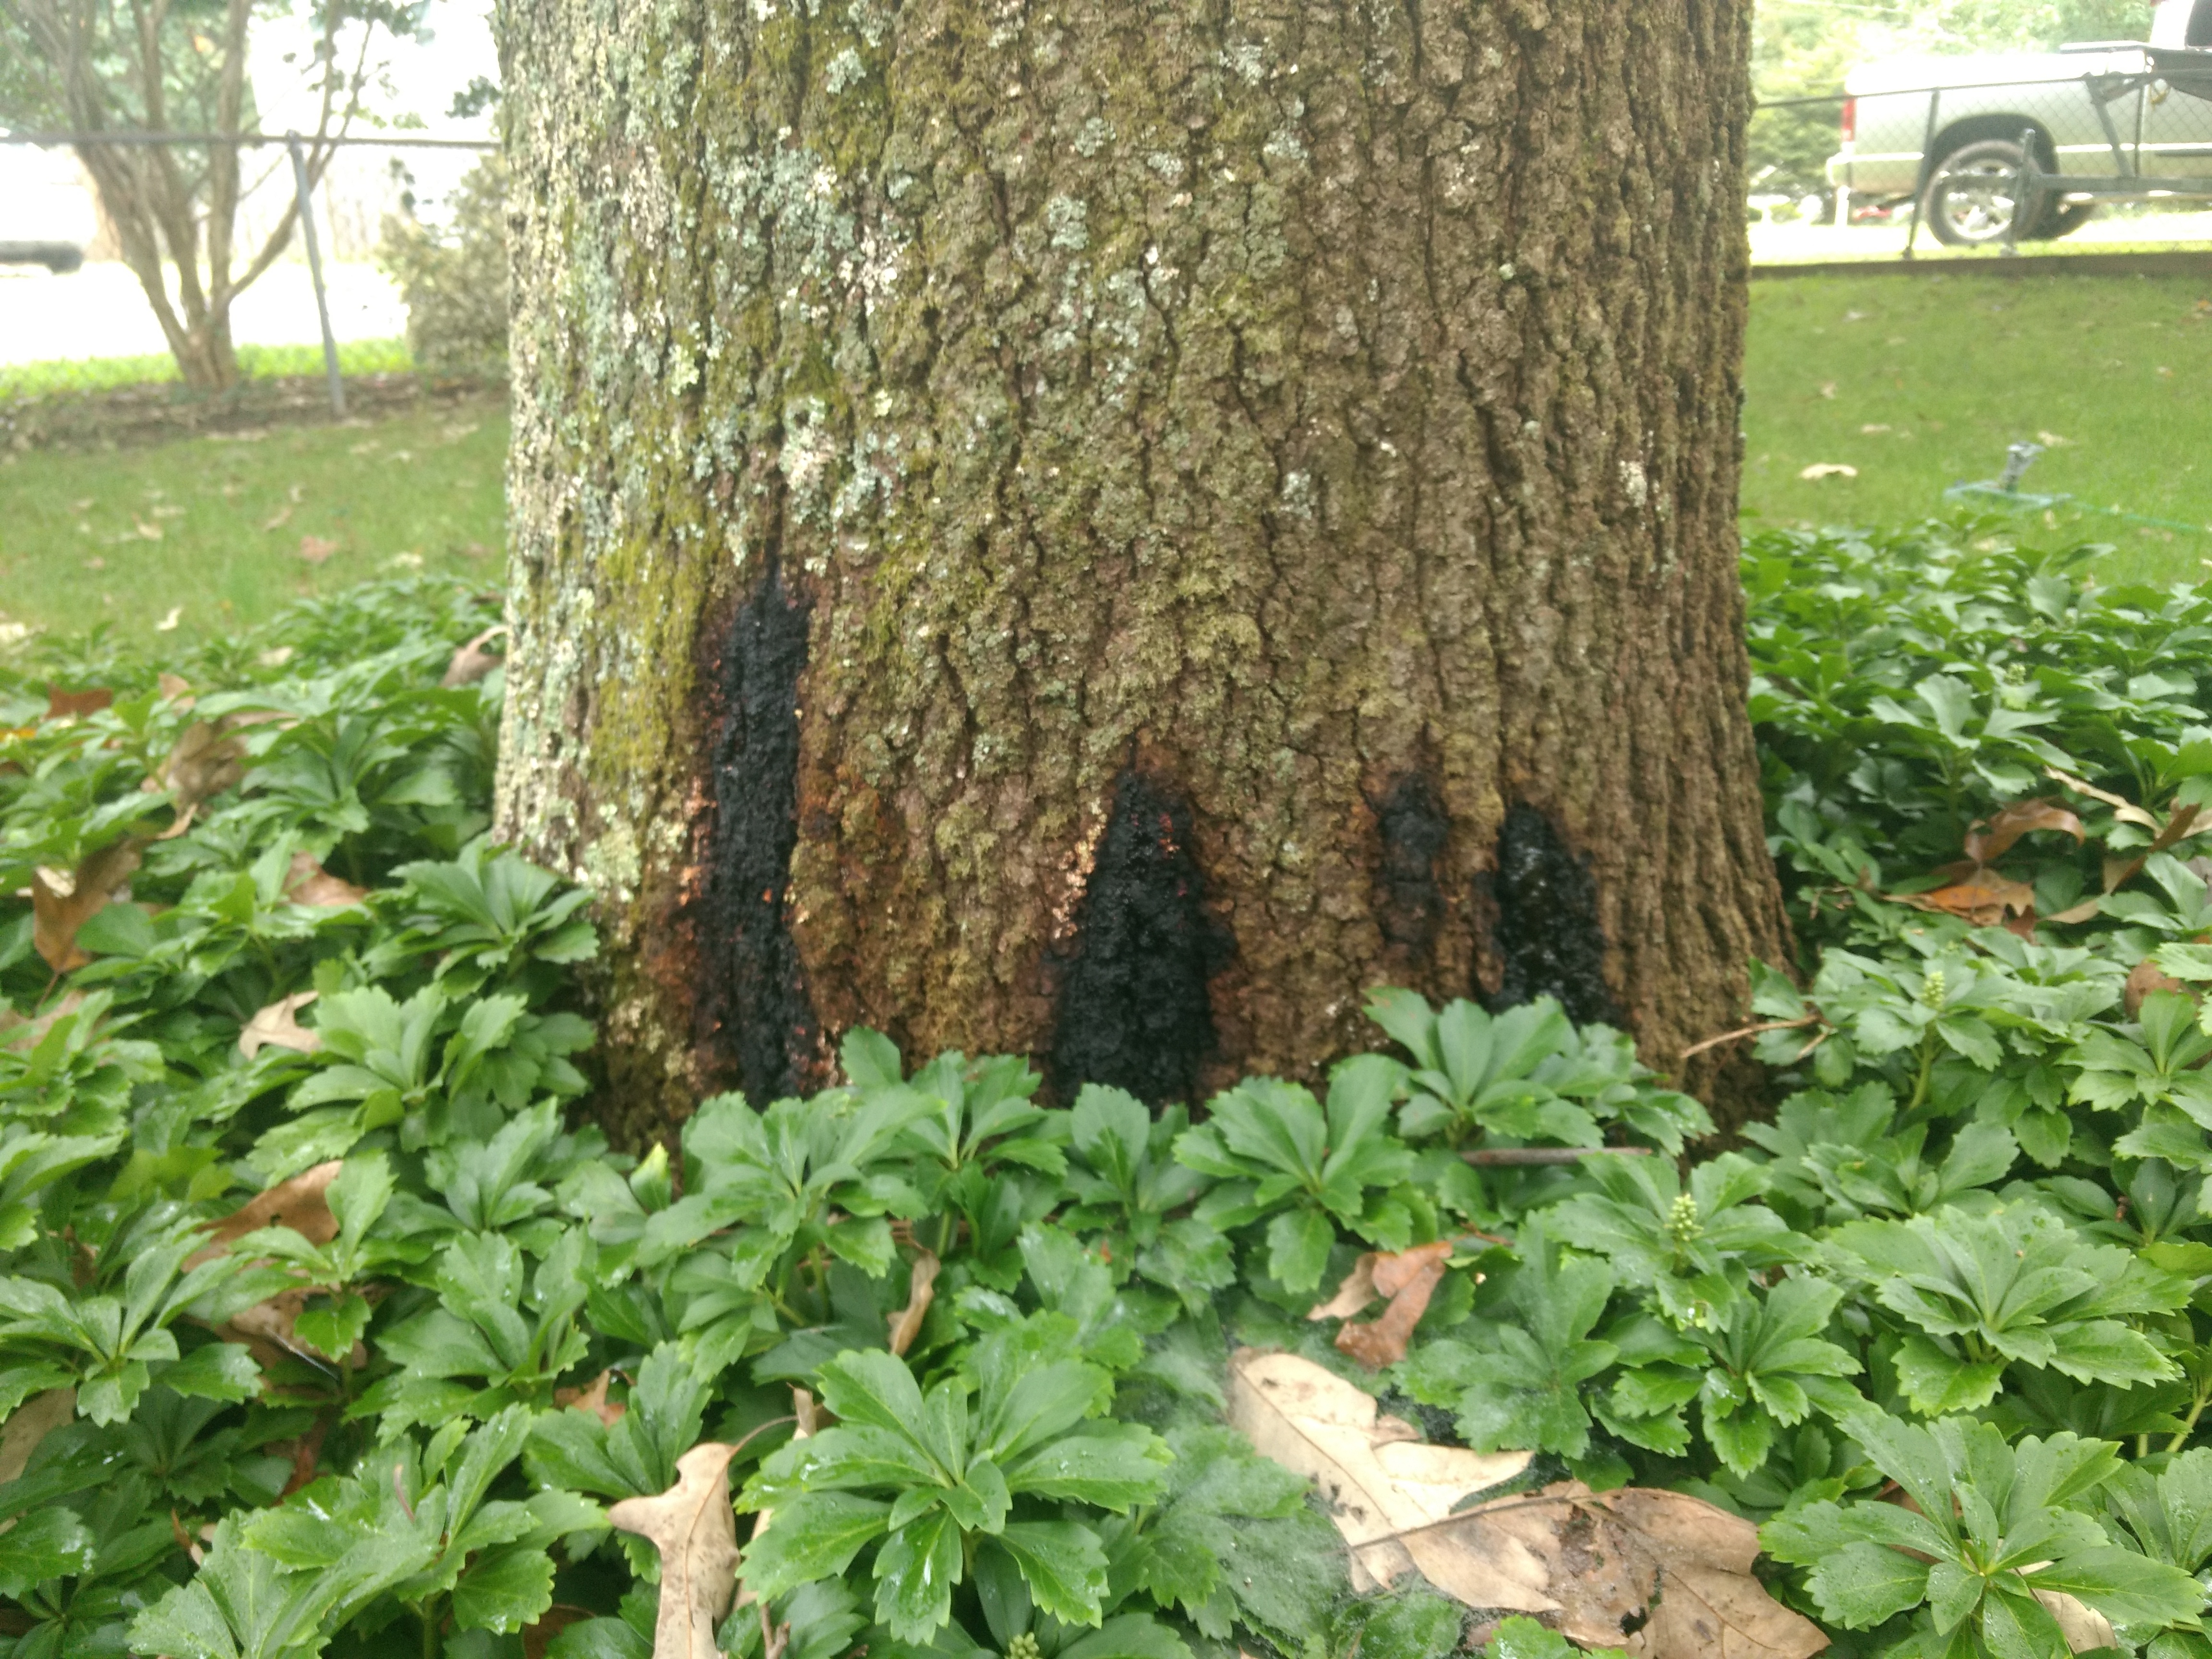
{"type": "Point", "coordinates": [302, 162]}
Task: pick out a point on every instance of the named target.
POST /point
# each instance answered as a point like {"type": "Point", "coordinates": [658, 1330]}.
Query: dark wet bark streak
{"type": "Point", "coordinates": [760, 1024]}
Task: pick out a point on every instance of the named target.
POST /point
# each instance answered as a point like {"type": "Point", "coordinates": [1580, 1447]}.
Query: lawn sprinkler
{"type": "Point", "coordinates": [2004, 492]}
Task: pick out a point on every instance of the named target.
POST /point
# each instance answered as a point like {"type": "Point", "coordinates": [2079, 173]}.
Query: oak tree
{"type": "Point", "coordinates": [1106, 529]}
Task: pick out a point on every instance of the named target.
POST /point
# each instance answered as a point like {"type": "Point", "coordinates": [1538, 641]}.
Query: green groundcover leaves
{"type": "Point", "coordinates": [329, 1326]}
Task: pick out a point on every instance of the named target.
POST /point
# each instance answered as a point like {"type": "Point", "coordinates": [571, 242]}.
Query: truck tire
{"type": "Point", "coordinates": [2063, 220]}
{"type": "Point", "coordinates": [1969, 199]}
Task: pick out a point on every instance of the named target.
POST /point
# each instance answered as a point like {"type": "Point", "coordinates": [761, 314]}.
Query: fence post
{"type": "Point", "coordinates": [315, 270]}
{"type": "Point", "coordinates": [1928, 171]}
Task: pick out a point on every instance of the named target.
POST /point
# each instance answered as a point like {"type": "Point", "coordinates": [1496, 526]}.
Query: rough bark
{"type": "Point", "coordinates": [1108, 528]}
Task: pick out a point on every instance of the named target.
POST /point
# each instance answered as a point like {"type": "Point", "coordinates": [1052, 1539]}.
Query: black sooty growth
{"type": "Point", "coordinates": [1547, 925]}
{"type": "Point", "coordinates": [1408, 902]}
{"type": "Point", "coordinates": [1134, 1011]}
{"type": "Point", "coordinates": [763, 1023]}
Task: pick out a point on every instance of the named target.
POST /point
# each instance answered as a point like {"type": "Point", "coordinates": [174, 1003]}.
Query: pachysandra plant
{"type": "Point", "coordinates": [328, 1326]}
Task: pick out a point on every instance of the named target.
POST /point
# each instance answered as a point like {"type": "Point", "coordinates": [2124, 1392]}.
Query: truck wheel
{"type": "Point", "coordinates": [1969, 201]}
{"type": "Point", "coordinates": [2064, 220]}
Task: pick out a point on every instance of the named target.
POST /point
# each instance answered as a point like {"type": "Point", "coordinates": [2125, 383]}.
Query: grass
{"type": "Point", "coordinates": [215, 528]}
{"type": "Point", "coordinates": [1916, 381]}
{"type": "Point", "coordinates": [255, 362]}
{"type": "Point", "coordinates": [1920, 382]}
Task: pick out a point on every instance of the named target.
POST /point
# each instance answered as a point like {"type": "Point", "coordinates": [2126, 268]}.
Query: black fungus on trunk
{"type": "Point", "coordinates": [1134, 1008]}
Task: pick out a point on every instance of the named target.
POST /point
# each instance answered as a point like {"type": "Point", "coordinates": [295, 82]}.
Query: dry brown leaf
{"type": "Point", "coordinates": [1409, 1279]}
{"type": "Point", "coordinates": [305, 1452]}
{"type": "Point", "coordinates": [1983, 898]}
{"type": "Point", "coordinates": [176, 688]}
{"type": "Point", "coordinates": [695, 1530]}
{"type": "Point", "coordinates": [2145, 978]}
{"type": "Point", "coordinates": [593, 1398]}
{"type": "Point", "coordinates": [1673, 1570]}
{"type": "Point", "coordinates": [275, 1026]}
{"type": "Point", "coordinates": [277, 520]}
{"type": "Point", "coordinates": [307, 882]}
{"type": "Point", "coordinates": [2082, 1626]}
{"type": "Point", "coordinates": [1987, 842]}
{"type": "Point", "coordinates": [23, 1035]}
{"type": "Point", "coordinates": [472, 662]}
{"type": "Point", "coordinates": [922, 1291]}
{"type": "Point", "coordinates": [1670, 1571]}
{"type": "Point", "coordinates": [1377, 1477]}
{"type": "Point", "coordinates": [316, 550]}
{"type": "Point", "coordinates": [2123, 809]}
{"type": "Point", "coordinates": [806, 1419]}
{"type": "Point", "coordinates": [298, 1203]}
{"type": "Point", "coordinates": [538, 1636]}
{"type": "Point", "coordinates": [75, 705]}
{"type": "Point", "coordinates": [30, 1423]}
{"type": "Point", "coordinates": [1352, 1296]}
{"type": "Point", "coordinates": [62, 902]}
{"type": "Point", "coordinates": [203, 764]}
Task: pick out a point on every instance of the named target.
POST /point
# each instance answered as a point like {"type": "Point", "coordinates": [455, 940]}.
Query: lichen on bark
{"type": "Point", "coordinates": [1273, 398]}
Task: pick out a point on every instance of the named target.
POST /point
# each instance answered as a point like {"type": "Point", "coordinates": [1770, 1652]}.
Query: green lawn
{"type": "Point", "coordinates": [255, 362]}
{"type": "Point", "coordinates": [1922, 381]}
{"type": "Point", "coordinates": [1917, 382]}
{"type": "Point", "coordinates": [226, 530]}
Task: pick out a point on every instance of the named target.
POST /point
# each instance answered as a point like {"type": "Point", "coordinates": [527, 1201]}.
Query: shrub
{"type": "Point", "coordinates": [455, 279]}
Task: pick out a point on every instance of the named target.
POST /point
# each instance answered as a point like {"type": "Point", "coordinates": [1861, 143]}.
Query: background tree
{"type": "Point", "coordinates": [158, 66]}
{"type": "Point", "coordinates": [1108, 528]}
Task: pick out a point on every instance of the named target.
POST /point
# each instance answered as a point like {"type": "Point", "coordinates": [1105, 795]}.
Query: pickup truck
{"type": "Point", "coordinates": [1947, 131]}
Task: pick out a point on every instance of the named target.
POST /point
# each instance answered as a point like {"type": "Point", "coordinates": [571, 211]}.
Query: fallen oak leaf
{"type": "Point", "coordinates": [537, 1637]}
{"type": "Point", "coordinates": [1352, 1296]}
{"type": "Point", "coordinates": [593, 1398]}
{"type": "Point", "coordinates": [204, 763]}
{"type": "Point", "coordinates": [472, 662]}
{"type": "Point", "coordinates": [1986, 843]}
{"type": "Point", "coordinates": [316, 550]}
{"type": "Point", "coordinates": [75, 705]}
{"type": "Point", "coordinates": [2176, 828]}
{"type": "Point", "coordinates": [306, 882]}
{"type": "Point", "coordinates": [305, 1452]}
{"type": "Point", "coordinates": [2085, 1629]}
{"type": "Point", "coordinates": [693, 1527]}
{"type": "Point", "coordinates": [2145, 979]}
{"type": "Point", "coordinates": [1409, 1279]}
{"type": "Point", "coordinates": [922, 1291]}
{"type": "Point", "coordinates": [2123, 809]}
{"type": "Point", "coordinates": [302, 1204]}
{"type": "Point", "coordinates": [1979, 895]}
{"type": "Point", "coordinates": [1377, 1478]}
{"type": "Point", "coordinates": [275, 1027]}
{"type": "Point", "coordinates": [30, 1423]}
{"type": "Point", "coordinates": [1671, 1572]}
{"type": "Point", "coordinates": [63, 902]}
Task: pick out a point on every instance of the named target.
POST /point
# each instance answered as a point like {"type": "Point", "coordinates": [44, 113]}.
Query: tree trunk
{"type": "Point", "coordinates": [1109, 529]}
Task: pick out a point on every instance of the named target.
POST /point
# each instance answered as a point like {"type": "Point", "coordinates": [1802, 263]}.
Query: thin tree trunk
{"type": "Point", "coordinates": [1107, 529]}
